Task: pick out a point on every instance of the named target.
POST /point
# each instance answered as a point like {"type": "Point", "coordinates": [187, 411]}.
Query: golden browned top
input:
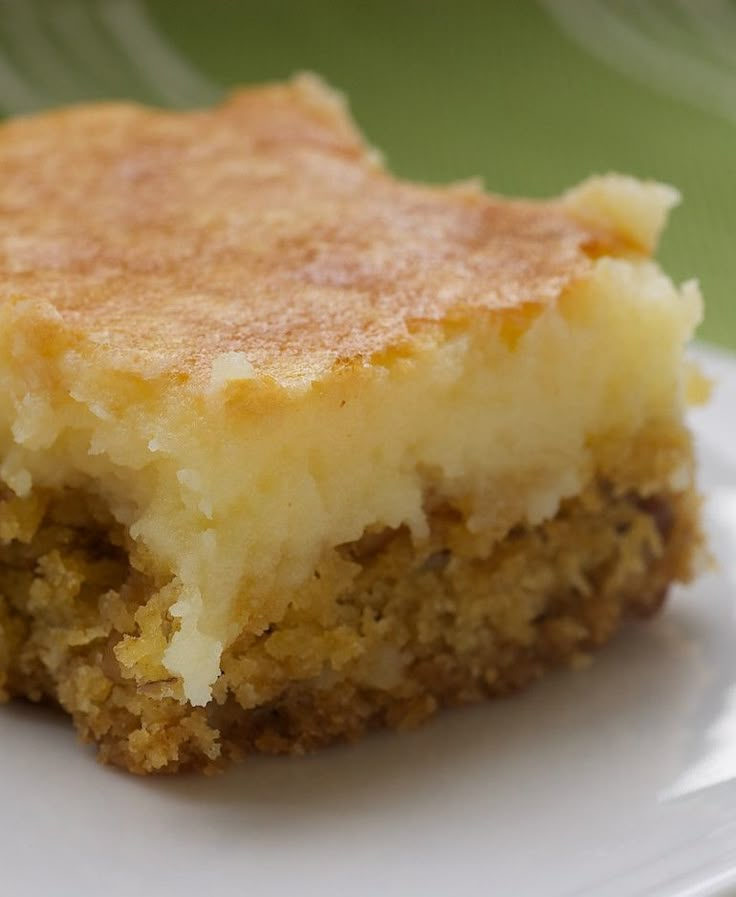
{"type": "Point", "coordinates": [263, 226]}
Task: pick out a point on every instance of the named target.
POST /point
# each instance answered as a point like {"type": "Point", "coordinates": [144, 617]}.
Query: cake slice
{"type": "Point", "coordinates": [291, 449]}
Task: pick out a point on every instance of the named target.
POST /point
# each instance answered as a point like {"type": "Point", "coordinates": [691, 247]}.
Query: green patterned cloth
{"type": "Point", "coordinates": [533, 96]}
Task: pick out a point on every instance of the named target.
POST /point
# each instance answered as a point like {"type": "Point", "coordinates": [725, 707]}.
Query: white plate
{"type": "Point", "coordinates": [617, 781]}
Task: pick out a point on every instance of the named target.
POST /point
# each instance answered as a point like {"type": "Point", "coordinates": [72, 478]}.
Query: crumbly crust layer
{"type": "Point", "coordinates": [388, 632]}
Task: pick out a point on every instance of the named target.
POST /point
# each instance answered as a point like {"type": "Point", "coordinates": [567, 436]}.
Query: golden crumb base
{"type": "Point", "coordinates": [405, 628]}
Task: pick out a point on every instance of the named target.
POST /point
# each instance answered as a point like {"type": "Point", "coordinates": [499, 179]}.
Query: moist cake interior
{"type": "Point", "coordinates": [290, 448]}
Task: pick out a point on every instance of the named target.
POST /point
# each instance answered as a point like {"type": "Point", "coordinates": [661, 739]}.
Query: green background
{"type": "Point", "coordinates": [532, 96]}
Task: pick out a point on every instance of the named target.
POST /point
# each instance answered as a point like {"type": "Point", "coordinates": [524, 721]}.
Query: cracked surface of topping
{"type": "Point", "coordinates": [266, 227]}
